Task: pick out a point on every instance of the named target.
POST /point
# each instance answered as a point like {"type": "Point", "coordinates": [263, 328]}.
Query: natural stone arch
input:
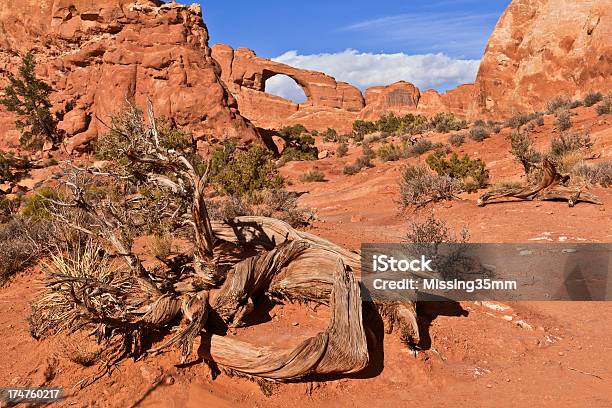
{"type": "Point", "coordinates": [302, 86]}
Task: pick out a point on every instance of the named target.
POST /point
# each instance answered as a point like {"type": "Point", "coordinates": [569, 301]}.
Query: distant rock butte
{"type": "Point", "coordinates": [98, 53]}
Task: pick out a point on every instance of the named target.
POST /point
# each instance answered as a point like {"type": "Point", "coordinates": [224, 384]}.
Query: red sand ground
{"type": "Point", "coordinates": [550, 354]}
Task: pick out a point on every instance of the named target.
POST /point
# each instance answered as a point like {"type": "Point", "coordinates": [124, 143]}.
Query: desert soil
{"type": "Point", "coordinates": [544, 354]}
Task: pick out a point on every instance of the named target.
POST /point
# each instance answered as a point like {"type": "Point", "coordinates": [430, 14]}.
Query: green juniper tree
{"type": "Point", "coordinates": [28, 97]}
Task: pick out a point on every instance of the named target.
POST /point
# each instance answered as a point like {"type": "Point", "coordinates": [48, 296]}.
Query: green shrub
{"type": "Point", "coordinates": [312, 176]}
{"type": "Point", "coordinates": [390, 152]}
{"type": "Point", "coordinates": [445, 122]}
{"type": "Point", "coordinates": [6, 167]}
{"type": "Point", "coordinates": [522, 149]}
{"type": "Point", "coordinates": [28, 97]}
{"type": "Point", "coordinates": [342, 150]}
{"type": "Point", "coordinates": [563, 119]}
{"type": "Point", "coordinates": [330, 135]}
{"type": "Point", "coordinates": [419, 187]}
{"type": "Point", "coordinates": [362, 128]}
{"type": "Point", "coordinates": [300, 145]}
{"type": "Point", "coordinates": [479, 133]}
{"type": "Point", "coordinates": [35, 207]}
{"type": "Point", "coordinates": [249, 171]}
{"type": "Point", "coordinates": [456, 139]}
{"type": "Point", "coordinates": [472, 173]}
{"type": "Point", "coordinates": [592, 98]}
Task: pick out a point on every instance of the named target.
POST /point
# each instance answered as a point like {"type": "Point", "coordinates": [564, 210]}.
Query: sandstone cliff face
{"type": "Point", "coordinates": [544, 48]}
{"type": "Point", "coordinates": [98, 53]}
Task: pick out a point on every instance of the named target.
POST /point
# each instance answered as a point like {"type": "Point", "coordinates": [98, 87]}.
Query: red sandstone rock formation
{"type": "Point", "coordinates": [330, 103]}
{"type": "Point", "coordinates": [97, 53]}
{"type": "Point", "coordinates": [544, 48]}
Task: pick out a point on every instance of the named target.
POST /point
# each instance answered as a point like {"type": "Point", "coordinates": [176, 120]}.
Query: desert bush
{"type": "Point", "coordinates": [312, 176]}
{"type": "Point", "coordinates": [471, 173]}
{"type": "Point", "coordinates": [6, 167]}
{"type": "Point", "coordinates": [362, 128]}
{"type": "Point", "coordinates": [592, 98]}
{"type": "Point", "coordinates": [521, 147]}
{"type": "Point", "coordinates": [445, 122]}
{"type": "Point", "coordinates": [248, 171]}
{"type": "Point", "coordinates": [269, 203]}
{"type": "Point", "coordinates": [518, 120]}
{"type": "Point", "coordinates": [360, 163]}
{"type": "Point", "coordinates": [28, 97]}
{"type": "Point", "coordinates": [419, 187]}
{"type": "Point", "coordinates": [479, 133]}
{"type": "Point", "coordinates": [367, 151]}
{"type": "Point", "coordinates": [568, 143]}
{"type": "Point", "coordinates": [342, 150]}
{"type": "Point", "coordinates": [434, 231]}
{"type": "Point", "coordinates": [300, 145]}
{"type": "Point", "coordinates": [563, 119]}
{"type": "Point", "coordinates": [456, 139]}
{"type": "Point", "coordinates": [35, 207]}
{"type": "Point", "coordinates": [390, 152]}
{"type": "Point", "coordinates": [22, 242]}
{"type": "Point", "coordinates": [330, 135]}
{"type": "Point", "coordinates": [539, 120]}
{"type": "Point", "coordinates": [422, 146]}
{"type": "Point", "coordinates": [375, 137]}
{"type": "Point", "coordinates": [605, 106]}
{"type": "Point", "coordinates": [600, 173]}
{"type": "Point", "coordinates": [556, 103]}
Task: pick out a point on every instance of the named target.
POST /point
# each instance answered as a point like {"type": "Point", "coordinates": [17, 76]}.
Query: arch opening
{"type": "Point", "coordinates": [286, 87]}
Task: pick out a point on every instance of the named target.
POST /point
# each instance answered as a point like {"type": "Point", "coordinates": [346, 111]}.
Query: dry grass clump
{"type": "Point", "coordinates": [312, 176]}
{"type": "Point", "coordinates": [419, 186]}
{"type": "Point", "coordinates": [160, 246]}
{"type": "Point", "coordinates": [605, 107]}
{"type": "Point", "coordinates": [82, 279]}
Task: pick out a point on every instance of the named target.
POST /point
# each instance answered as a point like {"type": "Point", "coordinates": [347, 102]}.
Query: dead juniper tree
{"type": "Point", "coordinates": [154, 179]}
{"type": "Point", "coordinates": [552, 186]}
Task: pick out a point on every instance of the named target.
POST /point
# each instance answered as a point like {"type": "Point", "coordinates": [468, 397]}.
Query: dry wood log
{"type": "Point", "coordinates": [552, 186]}
{"type": "Point", "coordinates": [341, 349]}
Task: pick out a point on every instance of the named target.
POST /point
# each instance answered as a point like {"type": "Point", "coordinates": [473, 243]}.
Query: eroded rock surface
{"type": "Point", "coordinates": [97, 54]}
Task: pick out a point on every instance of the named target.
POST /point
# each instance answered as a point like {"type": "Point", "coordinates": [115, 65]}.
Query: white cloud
{"type": "Point", "coordinates": [363, 70]}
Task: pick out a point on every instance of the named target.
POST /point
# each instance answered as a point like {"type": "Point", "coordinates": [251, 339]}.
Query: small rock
{"type": "Point", "coordinates": [561, 353]}
{"type": "Point", "coordinates": [323, 154]}
{"type": "Point", "coordinates": [295, 324]}
{"type": "Point", "coordinates": [169, 380]}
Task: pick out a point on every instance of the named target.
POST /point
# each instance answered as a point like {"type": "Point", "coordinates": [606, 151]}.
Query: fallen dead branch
{"type": "Point", "coordinates": [552, 186]}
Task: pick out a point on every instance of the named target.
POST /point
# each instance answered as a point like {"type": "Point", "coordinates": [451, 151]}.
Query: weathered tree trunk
{"type": "Point", "coordinates": [551, 187]}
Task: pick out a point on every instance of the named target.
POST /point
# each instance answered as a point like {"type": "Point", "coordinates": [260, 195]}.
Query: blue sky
{"type": "Point", "coordinates": [435, 43]}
